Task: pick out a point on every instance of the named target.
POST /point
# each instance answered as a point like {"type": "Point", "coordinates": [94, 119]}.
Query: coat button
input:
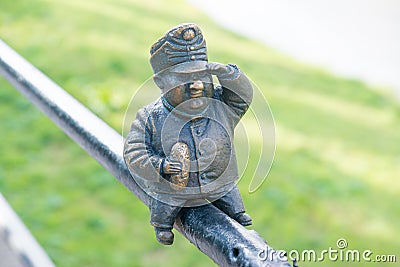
{"type": "Point", "coordinates": [203, 176]}
{"type": "Point", "coordinates": [198, 131]}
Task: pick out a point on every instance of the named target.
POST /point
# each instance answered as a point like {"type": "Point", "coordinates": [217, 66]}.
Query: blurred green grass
{"type": "Point", "coordinates": [336, 166]}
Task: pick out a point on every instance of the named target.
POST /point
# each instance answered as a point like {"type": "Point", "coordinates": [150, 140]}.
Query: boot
{"type": "Point", "coordinates": [164, 235]}
{"type": "Point", "coordinates": [243, 218]}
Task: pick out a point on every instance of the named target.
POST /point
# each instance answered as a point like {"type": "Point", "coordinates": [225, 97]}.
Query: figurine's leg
{"type": "Point", "coordinates": [232, 205]}
{"type": "Point", "coordinates": [162, 217]}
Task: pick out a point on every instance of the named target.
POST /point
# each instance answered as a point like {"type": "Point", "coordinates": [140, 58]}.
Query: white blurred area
{"type": "Point", "coordinates": [353, 38]}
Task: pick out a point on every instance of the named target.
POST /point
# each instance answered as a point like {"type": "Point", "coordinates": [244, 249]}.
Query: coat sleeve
{"type": "Point", "coordinates": [237, 91]}
{"type": "Point", "coordinates": [143, 162]}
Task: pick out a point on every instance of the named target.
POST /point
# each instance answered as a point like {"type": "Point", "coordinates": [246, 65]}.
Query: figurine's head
{"type": "Point", "coordinates": [179, 61]}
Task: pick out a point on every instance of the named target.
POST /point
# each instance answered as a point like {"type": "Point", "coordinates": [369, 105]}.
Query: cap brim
{"type": "Point", "coordinates": [189, 67]}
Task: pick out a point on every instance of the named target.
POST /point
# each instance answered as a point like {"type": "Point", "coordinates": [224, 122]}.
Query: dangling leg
{"type": "Point", "coordinates": [162, 217]}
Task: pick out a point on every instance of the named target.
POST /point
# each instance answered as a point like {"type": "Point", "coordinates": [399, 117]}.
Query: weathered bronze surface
{"type": "Point", "coordinates": [180, 153]}
{"type": "Point", "coordinates": [180, 147]}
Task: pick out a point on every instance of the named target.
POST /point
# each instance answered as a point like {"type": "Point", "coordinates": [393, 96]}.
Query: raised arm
{"type": "Point", "coordinates": [237, 91]}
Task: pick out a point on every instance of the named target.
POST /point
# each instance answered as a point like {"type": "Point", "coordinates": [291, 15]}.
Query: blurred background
{"type": "Point", "coordinates": [337, 162]}
{"type": "Point", "coordinates": [356, 38]}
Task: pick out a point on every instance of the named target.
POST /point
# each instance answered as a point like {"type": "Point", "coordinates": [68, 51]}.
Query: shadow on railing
{"type": "Point", "coordinates": [226, 242]}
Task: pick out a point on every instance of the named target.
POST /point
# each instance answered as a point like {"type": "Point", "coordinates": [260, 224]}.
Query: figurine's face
{"type": "Point", "coordinates": [188, 92]}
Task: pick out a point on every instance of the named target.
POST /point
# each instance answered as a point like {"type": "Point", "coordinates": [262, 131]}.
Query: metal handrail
{"type": "Point", "coordinates": [225, 241]}
{"type": "Point", "coordinates": [22, 246]}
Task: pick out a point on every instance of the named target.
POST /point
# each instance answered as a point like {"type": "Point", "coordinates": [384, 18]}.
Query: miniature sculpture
{"type": "Point", "coordinates": [180, 147]}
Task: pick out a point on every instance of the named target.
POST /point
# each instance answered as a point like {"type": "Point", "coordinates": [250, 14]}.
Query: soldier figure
{"type": "Point", "coordinates": [180, 147]}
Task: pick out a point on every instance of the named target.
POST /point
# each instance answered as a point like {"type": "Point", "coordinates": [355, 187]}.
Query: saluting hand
{"type": "Point", "coordinates": [218, 69]}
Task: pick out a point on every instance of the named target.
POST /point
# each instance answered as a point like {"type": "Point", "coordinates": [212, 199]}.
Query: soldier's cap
{"type": "Point", "coordinates": [182, 49]}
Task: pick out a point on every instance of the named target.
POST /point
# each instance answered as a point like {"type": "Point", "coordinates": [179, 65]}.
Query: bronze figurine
{"type": "Point", "coordinates": [180, 147]}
